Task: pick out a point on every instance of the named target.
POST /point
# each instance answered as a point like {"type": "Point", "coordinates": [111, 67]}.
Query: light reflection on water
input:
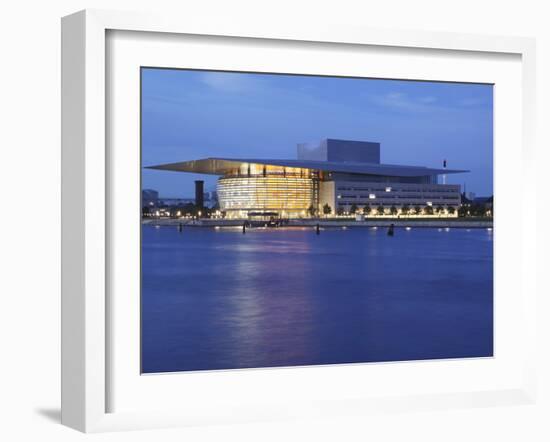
{"type": "Point", "coordinates": [218, 299]}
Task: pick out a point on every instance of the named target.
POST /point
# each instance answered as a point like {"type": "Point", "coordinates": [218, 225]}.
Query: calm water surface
{"type": "Point", "coordinates": [218, 299]}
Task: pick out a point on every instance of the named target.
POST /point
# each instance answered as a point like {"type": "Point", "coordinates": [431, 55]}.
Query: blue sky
{"type": "Point", "coordinates": [195, 114]}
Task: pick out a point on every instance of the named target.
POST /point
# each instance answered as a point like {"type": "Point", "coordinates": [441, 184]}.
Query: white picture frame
{"type": "Point", "coordinates": [85, 200]}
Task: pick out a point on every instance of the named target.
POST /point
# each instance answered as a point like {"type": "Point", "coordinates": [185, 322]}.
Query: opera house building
{"type": "Point", "coordinates": [340, 174]}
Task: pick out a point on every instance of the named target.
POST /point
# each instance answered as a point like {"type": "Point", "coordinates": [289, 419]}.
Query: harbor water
{"type": "Point", "coordinates": [217, 299]}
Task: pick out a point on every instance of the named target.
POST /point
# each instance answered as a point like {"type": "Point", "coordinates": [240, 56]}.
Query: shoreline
{"type": "Point", "coordinates": [326, 223]}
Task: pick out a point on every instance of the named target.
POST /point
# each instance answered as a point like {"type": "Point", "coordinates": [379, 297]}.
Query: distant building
{"type": "Point", "coordinates": [337, 174]}
{"type": "Point", "coordinates": [176, 202]}
{"type": "Point", "coordinates": [483, 200]}
{"type": "Point", "coordinates": [464, 200]}
{"type": "Point", "coordinates": [211, 198]}
{"type": "Point", "coordinates": [149, 198]}
{"type": "Point", "coordinates": [486, 202]}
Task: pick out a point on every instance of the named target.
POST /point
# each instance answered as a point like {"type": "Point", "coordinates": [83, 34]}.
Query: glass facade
{"type": "Point", "coordinates": [288, 194]}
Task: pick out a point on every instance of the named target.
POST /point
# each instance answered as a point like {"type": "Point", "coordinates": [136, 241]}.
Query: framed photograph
{"type": "Point", "coordinates": [264, 223]}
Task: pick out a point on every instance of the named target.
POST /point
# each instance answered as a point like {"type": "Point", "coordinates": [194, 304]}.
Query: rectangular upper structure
{"type": "Point", "coordinates": [340, 151]}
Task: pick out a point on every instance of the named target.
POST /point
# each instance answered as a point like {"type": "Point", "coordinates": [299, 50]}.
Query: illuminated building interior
{"type": "Point", "coordinates": [289, 196]}
{"type": "Point", "coordinates": [257, 188]}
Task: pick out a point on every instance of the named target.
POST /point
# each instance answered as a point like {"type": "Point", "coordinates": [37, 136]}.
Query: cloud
{"type": "Point", "coordinates": [396, 96]}
{"type": "Point", "coordinates": [428, 99]}
{"type": "Point", "coordinates": [402, 102]}
{"type": "Point", "coordinates": [470, 101]}
{"type": "Point", "coordinates": [228, 82]}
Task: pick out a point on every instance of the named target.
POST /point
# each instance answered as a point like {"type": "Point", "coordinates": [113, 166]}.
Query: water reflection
{"type": "Point", "coordinates": [259, 306]}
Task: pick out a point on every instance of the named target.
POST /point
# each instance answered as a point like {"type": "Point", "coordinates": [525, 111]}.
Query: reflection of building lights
{"type": "Point", "coordinates": [407, 228]}
{"type": "Point", "coordinates": [344, 227]}
{"type": "Point", "coordinates": [447, 229]}
{"type": "Point", "coordinates": [374, 228]}
{"type": "Point", "coordinates": [490, 229]}
{"type": "Point", "coordinates": [429, 203]}
{"type": "Point", "coordinates": [388, 189]}
{"type": "Point", "coordinates": [217, 227]}
{"type": "Point", "coordinates": [372, 196]}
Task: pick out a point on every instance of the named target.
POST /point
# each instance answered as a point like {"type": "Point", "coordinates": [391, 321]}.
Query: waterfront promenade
{"type": "Point", "coordinates": [461, 223]}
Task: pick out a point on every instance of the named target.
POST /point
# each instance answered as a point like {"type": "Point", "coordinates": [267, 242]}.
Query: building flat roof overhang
{"type": "Point", "coordinates": [221, 166]}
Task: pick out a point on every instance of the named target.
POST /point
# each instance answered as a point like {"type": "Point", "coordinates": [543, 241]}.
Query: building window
{"type": "Point", "coordinates": [372, 196]}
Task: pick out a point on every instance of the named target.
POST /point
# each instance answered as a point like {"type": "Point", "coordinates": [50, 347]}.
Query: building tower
{"type": "Point", "coordinates": [199, 194]}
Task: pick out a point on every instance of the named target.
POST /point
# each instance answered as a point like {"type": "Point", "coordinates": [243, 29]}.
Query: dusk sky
{"type": "Point", "coordinates": [197, 114]}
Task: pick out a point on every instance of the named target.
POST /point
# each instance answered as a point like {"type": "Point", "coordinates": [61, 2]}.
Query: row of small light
{"type": "Point", "coordinates": [447, 229]}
